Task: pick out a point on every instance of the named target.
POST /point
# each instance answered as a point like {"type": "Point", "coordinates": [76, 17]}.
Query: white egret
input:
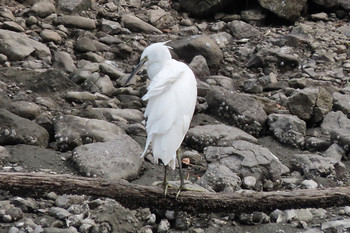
{"type": "Point", "coordinates": [171, 97]}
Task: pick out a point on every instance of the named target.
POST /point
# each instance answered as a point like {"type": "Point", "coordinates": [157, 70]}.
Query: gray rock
{"type": "Point", "coordinates": [290, 10]}
{"type": "Point", "coordinates": [160, 18]}
{"type": "Point", "coordinates": [200, 137]}
{"type": "Point", "coordinates": [341, 102]}
{"type": "Point", "coordinates": [27, 205]}
{"type": "Point", "coordinates": [119, 218]}
{"type": "Point", "coordinates": [76, 21]}
{"type": "Point", "coordinates": [248, 159]}
{"type": "Point", "coordinates": [254, 218]}
{"type": "Point", "coordinates": [338, 126]}
{"type": "Point", "coordinates": [305, 215]}
{"type": "Point", "coordinates": [43, 8]}
{"type": "Point", "coordinates": [222, 39]}
{"type": "Point", "coordinates": [116, 159]}
{"type": "Point", "coordinates": [111, 27]}
{"type": "Point", "coordinates": [135, 24]}
{"type": "Point", "coordinates": [130, 115]}
{"type": "Point", "coordinates": [200, 67]}
{"type": "Point", "coordinates": [110, 40]}
{"type": "Point", "coordinates": [201, 8]}
{"type": "Point", "coordinates": [240, 29]}
{"type": "Point", "coordinates": [60, 230]}
{"type": "Point", "coordinates": [85, 44]}
{"type": "Point", "coordinates": [309, 184]}
{"type": "Point", "coordinates": [249, 182]}
{"type": "Point", "coordinates": [18, 130]}
{"type": "Point", "coordinates": [336, 225]}
{"type": "Point", "coordinates": [65, 201]}
{"type": "Point", "coordinates": [300, 37]}
{"type": "Point", "coordinates": [344, 4]}
{"type": "Point", "coordinates": [255, 16]}
{"type": "Point", "coordinates": [102, 84]}
{"type": "Point", "coordinates": [220, 178]}
{"type": "Point", "coordinates": [51, 81]}
{"type": "Point", "coordinates": [224, 82]}
{"type": "Point", "coordinates": [72, 131]}
{"type": "Point", "coordinates": [123, 50]}
{"type": "Point", "coordinates": [7, 13]}
{"type": "Point", "coordinates": [319, 16]}
{"type": "Point", "coordinates": [81, 96]}
{"type": "Point", "coordinates": [59, 212]}
{"type": "Point", "coordinates": [25, 109]}
{"type": "Point", "coordinates": [93, 57]}
{"type": "Point", "coordinates": [265, 57]}
{"type": "Point", "coordinates": [288, 129]}
{"type": "Point", "coordinates": [319, 143]}
{"type": "Point", "coordinates": [73, 6]}
{"type": "Point", "coordinates": [253, 86]}
{"type": "Point", "coordinates": [163, 226]}
{"type": "Point", "coordinates": [345, 29]}
{"type": "Point", "coordinates": [4, 154]}
{"type": "Point", "coordinates": [334, 151]}
{"type": "Point", "coordinates": [12, 26]}
{"type": "Point", "coordinates": [310, 103]}
{"type": "Point", "coordinates": [49, 35]}
{"type": "Point", "coordinates": [315, 164]}
{"type": "Point", "coordinates": [63, 61]}
{"type": "Point", "coordinates": [111, 71]}
{"type": "Point", "coordinates": [237, 109]}
{"type": "Point", "coordinates": [17, 46]}
{"type": "Point", "coordinates": [326, 3]}
{"type": "Point", "coordinates": [78, 75]}
{"type": "Point", "coordinates": [15, 213]}
{"type": "Point", "coordinates": [189, 47]}
{"type": "Point", "coordinates": [323, 105]}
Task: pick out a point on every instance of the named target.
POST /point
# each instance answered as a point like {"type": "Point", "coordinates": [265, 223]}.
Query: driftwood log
{"type": "Point", "coordinates": [133, 196]}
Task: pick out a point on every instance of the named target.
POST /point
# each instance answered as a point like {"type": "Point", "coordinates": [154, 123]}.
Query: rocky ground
{"type": "Point", "coordinates": [273, 109]}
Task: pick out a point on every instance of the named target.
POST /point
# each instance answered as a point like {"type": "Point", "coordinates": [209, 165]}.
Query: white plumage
{"type": "Point", "coordinates": [171, 99]}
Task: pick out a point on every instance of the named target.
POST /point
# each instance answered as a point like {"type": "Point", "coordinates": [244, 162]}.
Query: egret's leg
{"type": "Point", "coordinates": [165, 181]}
{"type": "Point", "coordinates": [182, 182]}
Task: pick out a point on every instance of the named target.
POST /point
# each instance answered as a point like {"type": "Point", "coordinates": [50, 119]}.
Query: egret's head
{"type": "Point", "coordinates": [153, 53]}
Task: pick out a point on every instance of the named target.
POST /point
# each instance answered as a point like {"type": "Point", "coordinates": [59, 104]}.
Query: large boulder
{"type": "Point", "coordinates": [18, 130]}
{"type": "Point", "coordinates": [203, 8]}
{"type": "Point", "coordinates": [72, 131]}
{"type": "Point", "coordinates": [338, 126]}
{"type": "Point", "coordinates": [240, 29]}
{"type": "Point", "coordinates": [17, 46]}
{"type": "Point", "coordinates": [192, 46]}
{"type": "Point", "coordinates": [248, 159]}
{"type": "Point", "coordinates": [288, 129]}
{"type": "Point", "coordinates": [241, 110]}
{"type": "Point", "coordinates": [203, 136]}
{"type": "Point", "coordinates": [341, 102]}
{"type": "Point", "coordinates": [345, 4]}
{"type": "Point", "coordinates": [115, 159]}
{"type": "Point", "coordinates": [267, 57]}
{"type": "Point", "coordinates": [289, 10]}
{"type": "Point", "coordinates": [220, 178]}
{"type": "Point", "coordinates": [310, 104]}
{"type": "Point", "coordinates": [317, 165]}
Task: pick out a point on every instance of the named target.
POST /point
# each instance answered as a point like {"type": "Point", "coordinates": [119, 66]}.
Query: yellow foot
{"type": "Point", "coordinates": [188, 186]}
{"type": "Point", "coordinates": [166, 185]}
{"type": "Point", "coordinates": [177, 185]}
